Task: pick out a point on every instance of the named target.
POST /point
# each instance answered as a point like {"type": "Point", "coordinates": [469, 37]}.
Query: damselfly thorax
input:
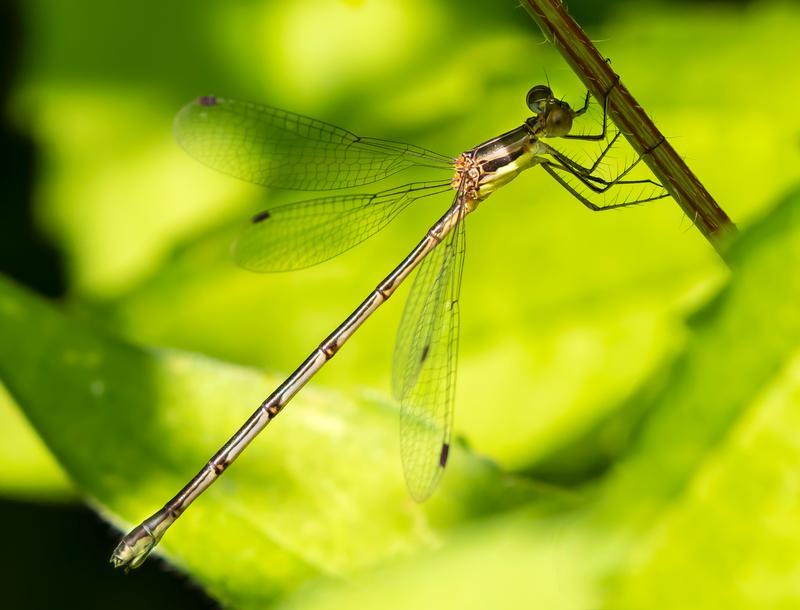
{"type": "Point", "coordinates": [491, 165]}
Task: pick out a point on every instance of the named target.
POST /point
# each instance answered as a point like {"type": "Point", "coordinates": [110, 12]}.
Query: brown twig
{"type": "Point", "coordinates": [596, 73]}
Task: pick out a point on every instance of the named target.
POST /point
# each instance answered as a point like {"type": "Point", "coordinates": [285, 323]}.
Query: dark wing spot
{"type": "Point", "coordinates": [260, 216]}
{"type": "Point", "coordinates": [443, 455]}
{"type": "Point", "coordinates": [207, 100]}
{"type": "Point", "coordinates": [424, 355]}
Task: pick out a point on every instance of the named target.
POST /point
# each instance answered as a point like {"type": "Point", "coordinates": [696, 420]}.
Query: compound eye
{"type": "Point", "coordinates": [538, 97]}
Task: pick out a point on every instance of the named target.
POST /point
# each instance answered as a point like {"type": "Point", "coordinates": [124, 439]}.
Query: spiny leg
{"type": "Point", "coordinates": [586, 173]}
{"type": "Point", "coordinates": [601, 185]}
{"type": "Point", "coordinates": [577, 167]}
{"type": "Point", "coordinates": [606, 184]}
{"type": "Point", "coordinates": [602, 134]}
{"type": "Point", "coordinates": [585, 106]}
{"type": "Point", "coordinates": [553, 169]}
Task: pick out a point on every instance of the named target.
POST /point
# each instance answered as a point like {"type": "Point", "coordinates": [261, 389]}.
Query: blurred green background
{"type": "Point", "coordinates": [572, 322]}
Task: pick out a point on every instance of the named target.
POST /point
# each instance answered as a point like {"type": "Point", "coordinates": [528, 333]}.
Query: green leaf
{"type": "Point", "coordinates": [715, 473]}
{"type": "Point", "coordinates": [740, 342]}
{"type": "Point", "coordinates": [320, 493]}
{"type": "Point", "coordinates": [736, 527]}
{"type": "Point", "coordinates": [29, 471]}
{"type": "Point", "coordinates": [516, 561]}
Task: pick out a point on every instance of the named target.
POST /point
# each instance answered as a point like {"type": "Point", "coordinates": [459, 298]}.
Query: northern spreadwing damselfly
{"type": "Point", "coordinates": [280, 149]}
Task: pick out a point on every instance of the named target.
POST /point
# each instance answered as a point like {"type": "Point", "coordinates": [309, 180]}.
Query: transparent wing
{"type": "Point", "coordinates": [282, 149]}
{"type": "Point", "coordinates": [425, 364]}
{"type": "Point", "coordinates": [304, 233]}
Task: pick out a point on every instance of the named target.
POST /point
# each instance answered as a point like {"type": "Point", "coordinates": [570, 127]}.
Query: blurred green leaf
{"type": "Point", "coordinates": [27, 469]}
{"type": "Point", "coordinates": [321, 493]}
{"type": "Point", "coordinates": [720, 450]}
{"type": "Point", "coordinates": [735, 528]}
{"type": "Point", "coordinates": [518, 561]}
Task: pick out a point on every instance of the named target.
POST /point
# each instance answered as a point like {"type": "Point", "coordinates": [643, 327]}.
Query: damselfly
{"type": "Point", "coordinates": [280, 149]}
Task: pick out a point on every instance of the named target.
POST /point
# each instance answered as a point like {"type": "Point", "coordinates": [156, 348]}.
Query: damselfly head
{"type": "Point", "coordinates": [557, 120]}
{"type": "Point", "coordinates": [553, 115]}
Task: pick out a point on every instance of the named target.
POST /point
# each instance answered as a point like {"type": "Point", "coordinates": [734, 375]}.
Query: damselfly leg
{"type": "Point", "coordinates": [570, 174]}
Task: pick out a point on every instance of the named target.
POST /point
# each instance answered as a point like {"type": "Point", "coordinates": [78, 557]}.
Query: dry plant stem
{"type": "Point", "coordinates": [596, 73]}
